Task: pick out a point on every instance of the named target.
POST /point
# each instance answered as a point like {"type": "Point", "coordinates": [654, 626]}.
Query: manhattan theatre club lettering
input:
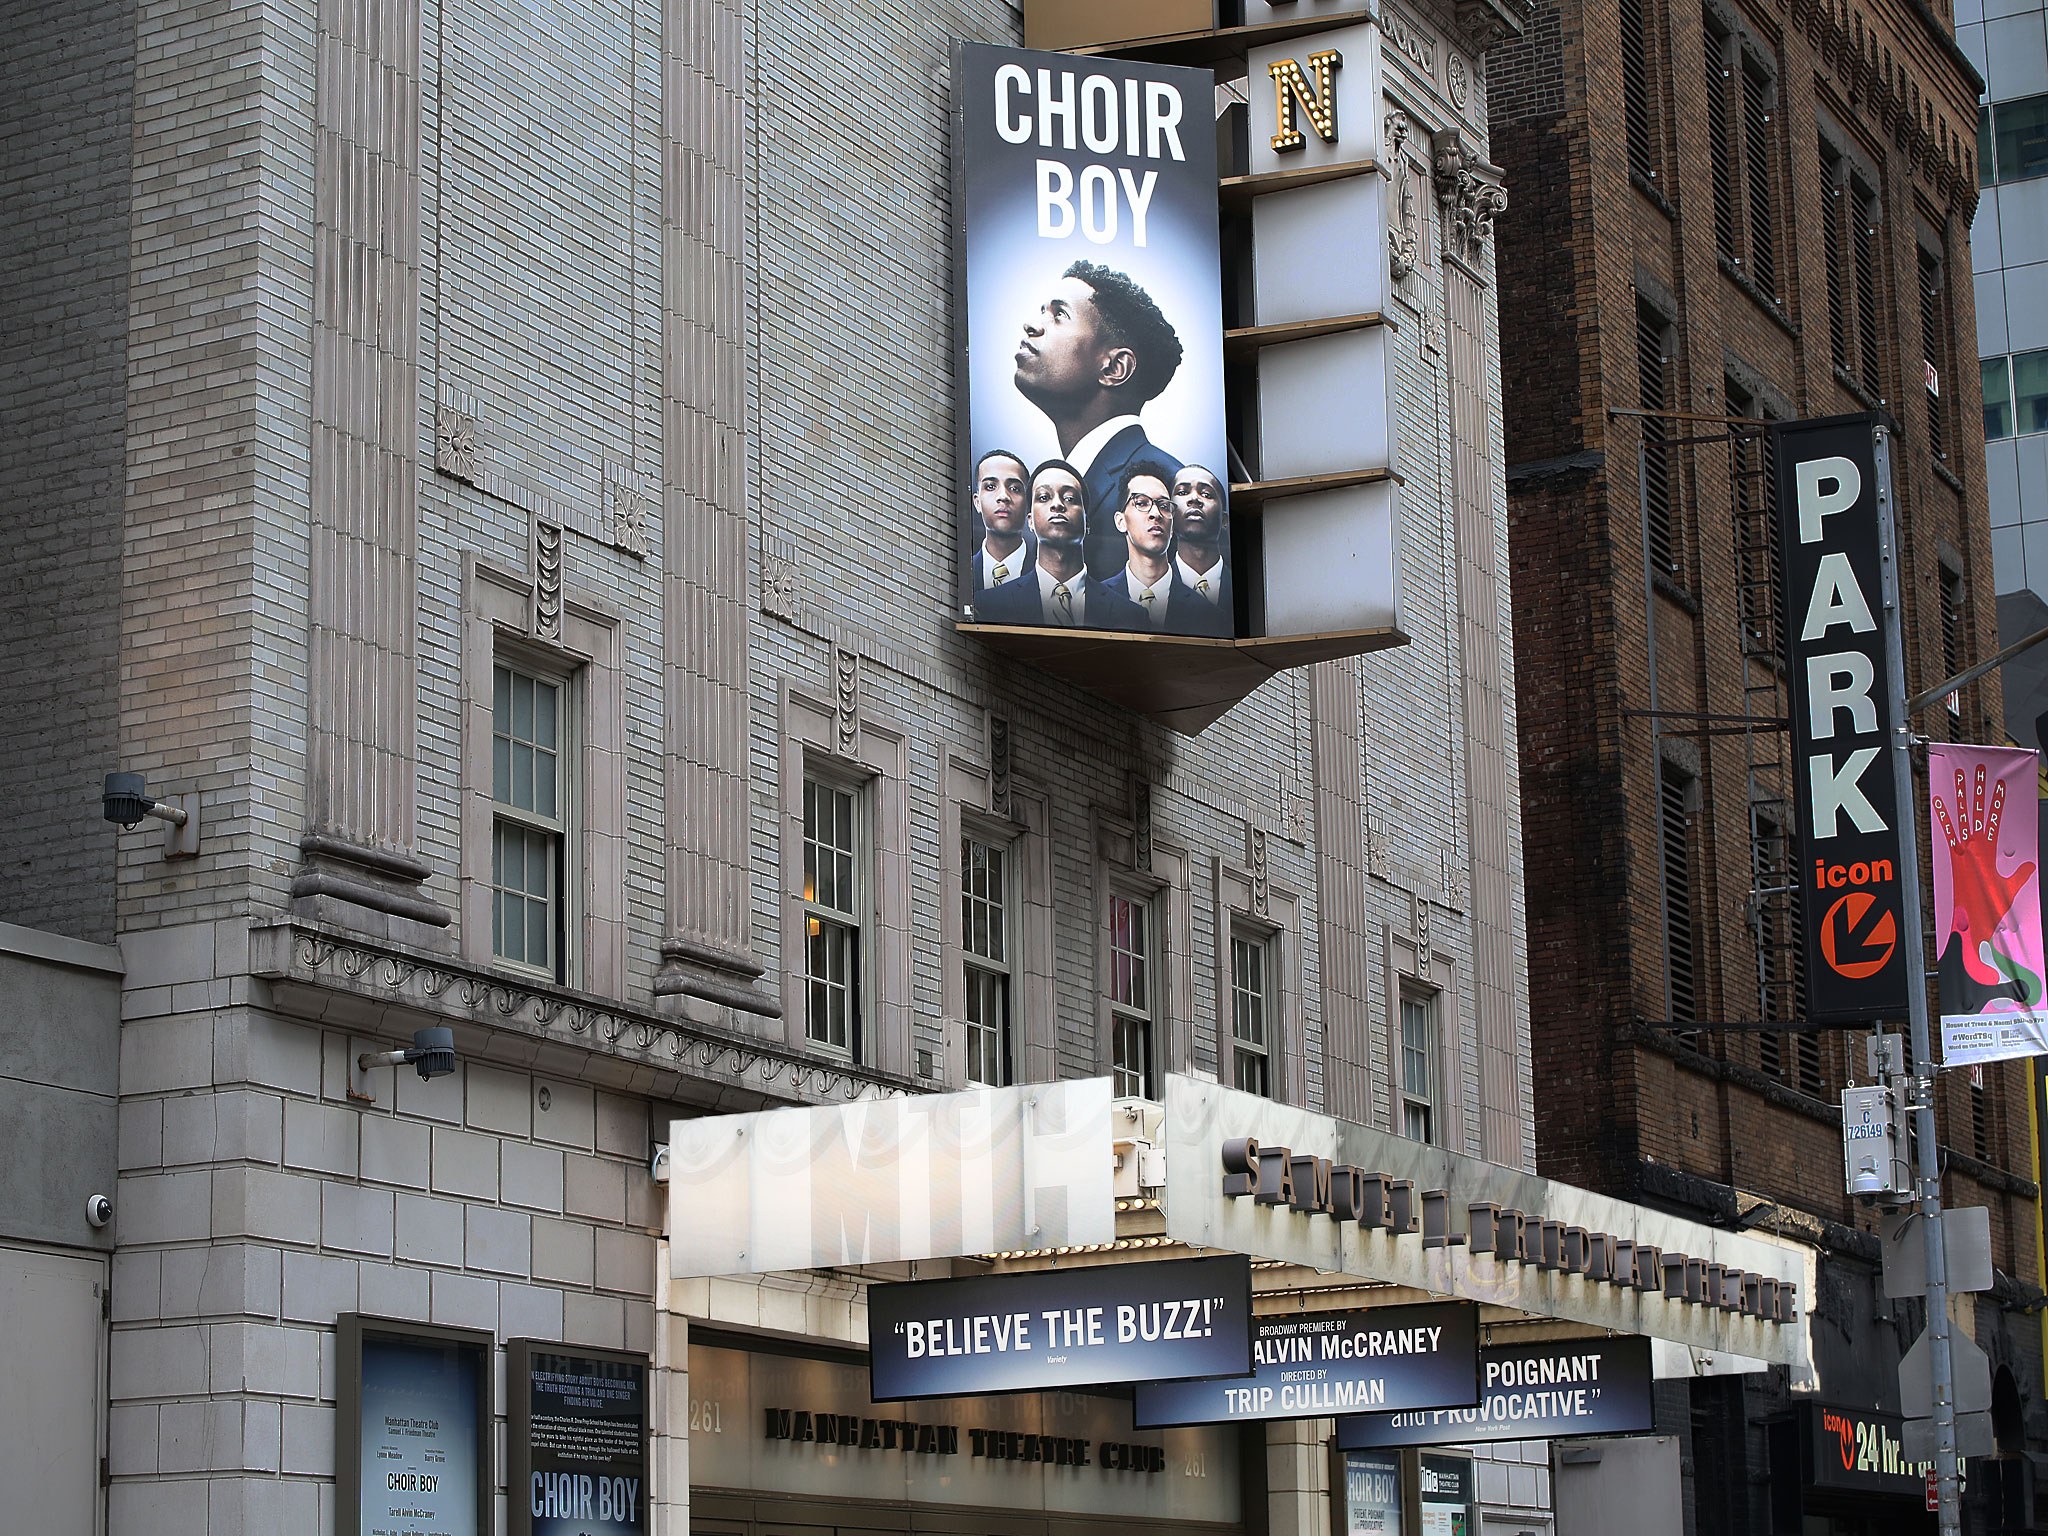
{"type": "Point", "coordinates": [1311, 1185]}
{"type": "Point", "coordinates": [909, 1437]}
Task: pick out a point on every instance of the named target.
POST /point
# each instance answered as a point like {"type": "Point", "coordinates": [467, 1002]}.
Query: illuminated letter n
{"type": "Point", "coordinates": [1291, 92]}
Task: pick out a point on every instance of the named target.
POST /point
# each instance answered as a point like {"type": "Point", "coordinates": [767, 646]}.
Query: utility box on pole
{"type": "Point", "coordinates": [1873, 1143]}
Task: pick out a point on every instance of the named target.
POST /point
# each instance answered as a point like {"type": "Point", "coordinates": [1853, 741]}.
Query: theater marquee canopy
{"type": "Point", "coordinates": [1021, 1176]}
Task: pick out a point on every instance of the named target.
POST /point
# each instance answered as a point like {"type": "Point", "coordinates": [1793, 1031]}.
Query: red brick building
{"type": "Point", "coordinates": [1734, 209]}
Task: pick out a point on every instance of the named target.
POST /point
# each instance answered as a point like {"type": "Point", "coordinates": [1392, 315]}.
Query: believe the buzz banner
{"type": "Point", "coordinates": [1985, 832]}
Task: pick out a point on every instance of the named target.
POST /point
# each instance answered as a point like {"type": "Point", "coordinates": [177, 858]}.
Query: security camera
{"type": "Point", "coordinates": [99, 1210]}
{"type": "Point", "coordinates": [431, 1054]}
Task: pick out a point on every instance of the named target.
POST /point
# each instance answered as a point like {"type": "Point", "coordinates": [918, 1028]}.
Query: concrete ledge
{"type": "Point", "coordinates": [58, 949]}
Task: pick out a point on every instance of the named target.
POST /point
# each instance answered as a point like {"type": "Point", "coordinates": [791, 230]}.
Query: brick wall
{"type": "Point", "coordinates": [64, 167]}
{"type": "Point", "coordinates": [1584, 613]}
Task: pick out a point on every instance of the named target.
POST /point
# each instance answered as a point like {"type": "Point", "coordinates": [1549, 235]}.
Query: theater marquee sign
{"type": "Point", "coordinates": [1028, 1169]}
{"type": "Point", "coordinates": [1249, 1175]}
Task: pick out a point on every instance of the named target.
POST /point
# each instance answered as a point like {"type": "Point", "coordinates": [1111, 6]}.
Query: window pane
{"type": "Point", "coordinates": [501, 699]}
{"type": "Point", "coordinates": [2030, 391]}
{"type": "Point", "coordinates": [1997, 400]}
{"type": "Point", "coordinates": [545, 705]}
{"type": "Point", "coordinates": [1418, 1122]}
{"type": "Point", "coordinates": [522, 707]}
{"type": "Point", "coordinates": [1986, 174]}
{"type": "Point", "coordinates": [1129, 921]}
{"type": "Point", "coordinates": [2022, 137]}
{"type": "Point", "coordinates": [988, 1028]}
{"type": "Point", "coordinates": [1131, 1064]}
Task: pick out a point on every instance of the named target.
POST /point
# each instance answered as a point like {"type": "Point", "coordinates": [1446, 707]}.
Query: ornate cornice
{"type": "Point", "coordinates": [1471, 193]}
{"type": "Point", "coordinates": [321, 965]}
{"type": "Point", "coordinates": [1483, 23]}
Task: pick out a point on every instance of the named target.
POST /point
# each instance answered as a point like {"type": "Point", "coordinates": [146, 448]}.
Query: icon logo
{"type": "Point", "coordinates": [1855, 944]}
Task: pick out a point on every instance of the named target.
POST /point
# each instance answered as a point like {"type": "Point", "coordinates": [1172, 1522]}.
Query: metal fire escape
{"type": "Point", "coordinates": [1771, 907]}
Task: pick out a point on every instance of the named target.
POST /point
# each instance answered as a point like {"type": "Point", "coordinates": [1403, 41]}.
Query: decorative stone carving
{"type": "Point", "coordinates": [782, 584]}
{"type": "Point", "coordinates": [1454, 876]}
{"type": "Point", "coordinates": [1415, 45]}
{"type": "Point", "coordinates": [1377, 863]}
{"type": "Point", "coordinates": [1141, 825]}
{"type": "Point", "coordinates": [1294, 807]}
{"type": "Point", "coordinates": [455, 442]}
{"type": "Point", "coordinates": [626, 515]}
{"type": "Point", "coordinates": [999, 766]}
{"type": "Point", "coordinates": [1255, 861]}
{"type": "Point", "coordinates": [547, 580]}
{"type": "Point", "coordinates": [1404, 229]}
{"type": "Point", "coordinates": [1471, 194]}
{"type": "Point", "coordinates": [1419, 915]}
{"type": "Point", "coordinates": [846, 700]}
{"type": "Point", "coordinates": [1483, 23]}
{"type": "Point", "coordinates": [1458, 81]}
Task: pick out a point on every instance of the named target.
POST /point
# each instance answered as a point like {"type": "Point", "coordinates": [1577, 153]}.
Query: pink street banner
{"type": "Point", "coordinates": [1984, 829]}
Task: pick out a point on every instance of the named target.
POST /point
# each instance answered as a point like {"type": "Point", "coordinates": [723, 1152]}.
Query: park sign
{"type": "Point", "coordinates": [1843, 668]}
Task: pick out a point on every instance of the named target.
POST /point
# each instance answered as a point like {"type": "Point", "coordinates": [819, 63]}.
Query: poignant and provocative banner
{"type": "Point", "coordinates": [1984, 824]}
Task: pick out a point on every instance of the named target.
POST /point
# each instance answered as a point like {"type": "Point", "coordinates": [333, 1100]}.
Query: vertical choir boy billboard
{"type": "Point", "coordinates": [1093, 490]}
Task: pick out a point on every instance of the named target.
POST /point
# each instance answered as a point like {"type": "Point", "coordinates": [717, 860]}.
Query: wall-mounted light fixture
{"type": "Point", "coordinates": [125, 801]}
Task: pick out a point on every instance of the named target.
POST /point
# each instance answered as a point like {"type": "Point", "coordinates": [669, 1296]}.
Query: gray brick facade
{"type": "Point", "coordinates": [617, 339]}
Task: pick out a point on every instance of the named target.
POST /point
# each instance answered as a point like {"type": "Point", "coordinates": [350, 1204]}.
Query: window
{"type": "Point", "coordinates": [1775, 924]}
{"type": "Point", "coordinates": [1849, 211]}
{"type": "Point", "coordinates": [986, 949]}
{"type": "Point", "coordinates": [833, 871]}
{"type": "Point", "coordinates": [1421, 1078]}
{"type": "Point", "coordinates": [1812, 1080]}
{"type": "Point", "coordinates": [1742, 94]}
{"type": "Point", "coordinates": [2030, 391]}
{"type": "Point", "coordinates": [1934, 341]}
{"type": "Point", "coordinates": [1676, 791]}
{"type": "Point", "coordinates": [1251, 1014]}
{"type": "Point", "coordinates": [1997, 399]}
{"type": "Point", "coordinates": [543, 810]}
{"type": "Point", "coordinates": [1132, 990]}
{"type": "Point", "coordinates": [528, 833]}
{"type": "Point", "coordinates": [1635, 91]}
{"type": "Point", "coordinates": [1653, 393]}
{"type": "Point", "coordinates": [2012, 140]}
{"type": "Point", "coordinates": [1952, 637]}
{"type": "Point", "coordinates": [1756, 541]}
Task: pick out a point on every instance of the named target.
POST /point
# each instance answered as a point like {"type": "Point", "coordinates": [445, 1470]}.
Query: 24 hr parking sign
{"type": "Point", "coordinates": [1834, 483]}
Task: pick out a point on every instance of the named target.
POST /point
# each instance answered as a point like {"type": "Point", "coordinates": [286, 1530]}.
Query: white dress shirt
{"type": "Point", "coordinates": [1013, 564]}
{"type": "Point", "coordinates": [1153, 598]}
{"type": "Point", "coordinates": [1195, 580]}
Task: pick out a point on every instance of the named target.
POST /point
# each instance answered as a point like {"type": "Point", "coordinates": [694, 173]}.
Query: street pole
{"type": "Point", "coordinates": [1927, 1171]}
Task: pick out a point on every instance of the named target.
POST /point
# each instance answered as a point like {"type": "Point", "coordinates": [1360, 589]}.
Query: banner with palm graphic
{"type": "Point", "coordinates": [1984, 829]}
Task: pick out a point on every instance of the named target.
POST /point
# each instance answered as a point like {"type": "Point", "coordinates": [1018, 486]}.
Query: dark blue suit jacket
{"type": "Point", "coordinates": [1198, 618]}
{"type": "Point", "coordinates": [1017, 602]}
{"type": "Point", "coordinates": [1106, 549]}
{"type": "Point", "coordinates": [970, 568]}
{"type": "Point", "coordinates": [1186, 614]}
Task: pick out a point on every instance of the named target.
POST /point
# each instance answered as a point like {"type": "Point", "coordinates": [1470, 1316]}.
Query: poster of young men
{"type": "Point", "coordinates": [1093, 479]}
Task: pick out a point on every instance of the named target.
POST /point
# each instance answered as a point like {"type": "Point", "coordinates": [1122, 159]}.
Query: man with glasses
{"type": "Point", "coordinates": [1148, 581]}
